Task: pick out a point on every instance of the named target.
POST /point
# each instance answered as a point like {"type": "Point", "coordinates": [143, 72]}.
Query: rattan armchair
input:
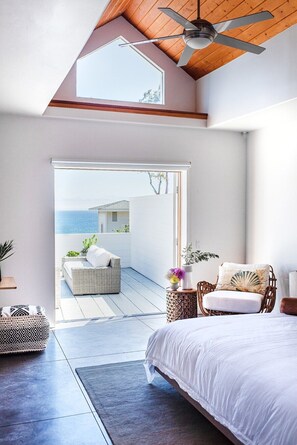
{"type": "Point", "coordinates": [268, 302]}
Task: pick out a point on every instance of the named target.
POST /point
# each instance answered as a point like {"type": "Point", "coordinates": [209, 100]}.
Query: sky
{"type": "Point", "coordinates": [116, 73]}
{"type": "Point", "coordinates": [82, 189]}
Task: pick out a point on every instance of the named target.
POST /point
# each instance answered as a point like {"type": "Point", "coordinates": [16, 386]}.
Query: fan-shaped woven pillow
{"type": "Point", "coordinates": [243, 277]}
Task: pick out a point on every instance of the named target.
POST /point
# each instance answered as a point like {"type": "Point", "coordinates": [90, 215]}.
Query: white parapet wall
{"type": "Point", "coordinates": [116, 243]}
{"type": "Point", "coordinates": [152, 236]}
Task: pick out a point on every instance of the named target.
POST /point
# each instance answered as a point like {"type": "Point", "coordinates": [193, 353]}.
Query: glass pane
{"type": "Point", "coordinates": [119, 73]}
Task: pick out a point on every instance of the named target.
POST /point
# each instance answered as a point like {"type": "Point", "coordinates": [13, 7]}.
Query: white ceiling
{"type": "Point", "coordinates": [39, 42]}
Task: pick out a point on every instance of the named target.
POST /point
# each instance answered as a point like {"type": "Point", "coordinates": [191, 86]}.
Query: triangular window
{"type": "Point", "coordinates": [119, 73]}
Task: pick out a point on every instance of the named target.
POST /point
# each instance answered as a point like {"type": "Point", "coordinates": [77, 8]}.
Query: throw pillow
{"type": "Point", "coordinates": [243, 277]}
{"type": "Point", "coordinates": [20, 310]}
{"type": "Point", "coordinates": [288, 305]}
{"type": "Point", "coordinates": [98, 256]}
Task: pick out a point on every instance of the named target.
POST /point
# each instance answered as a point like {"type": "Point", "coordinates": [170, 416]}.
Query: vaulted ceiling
{"type": "Point", "coordinates": [146, 17]}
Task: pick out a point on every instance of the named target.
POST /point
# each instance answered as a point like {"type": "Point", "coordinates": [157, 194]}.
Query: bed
{"type": "Point", "coordinates": [240, 371]}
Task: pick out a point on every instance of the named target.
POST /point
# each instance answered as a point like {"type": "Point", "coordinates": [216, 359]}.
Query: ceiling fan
{"type": "Point", "coordinates": [200, 33]}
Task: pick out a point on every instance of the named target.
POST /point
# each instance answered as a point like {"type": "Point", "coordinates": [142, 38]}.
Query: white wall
{"type": "Point", "coordinates": [152, 236]}
{"type": "Point", "coordinates": [272, 203]}
{"type": "Point", "coordinates": [116, 243]}
{"type": "Point", "coordinates": [216, 188]}
{"type": "Point", "coordinates": [251, 82]}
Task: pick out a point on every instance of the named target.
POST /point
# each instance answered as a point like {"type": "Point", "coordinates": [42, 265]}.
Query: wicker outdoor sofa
{"type": "Point", "coordinates": [85, 279]}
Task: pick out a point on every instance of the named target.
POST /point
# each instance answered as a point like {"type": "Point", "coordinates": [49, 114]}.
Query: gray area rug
{"type": "Point", "coordinates": [136, 413]}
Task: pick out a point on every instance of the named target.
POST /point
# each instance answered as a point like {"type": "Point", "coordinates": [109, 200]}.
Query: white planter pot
{"type": "Point", "coordinates": [174, 286]}
{"type": "Point", "coordinates": [187, 280]}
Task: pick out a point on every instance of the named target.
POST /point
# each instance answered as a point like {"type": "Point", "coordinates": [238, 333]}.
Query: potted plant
{"type": "Point", "coordinates": [174, 275]}
{"type": "Point", "coordinates": [5, 250]}
{"type": "Point", "coordinates": [72, 253]}
{"type": "Point", "coordinates": [191, 257]}
{"type": "Point", "coordinates": [87, 243]}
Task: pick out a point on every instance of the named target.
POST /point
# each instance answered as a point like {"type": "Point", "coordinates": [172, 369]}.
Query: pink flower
{"type": "Point", "coordinates": [175, 274]}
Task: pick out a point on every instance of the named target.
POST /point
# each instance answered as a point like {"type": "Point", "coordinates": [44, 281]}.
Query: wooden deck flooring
{"type": "Point", "coordinates": [138, 296]}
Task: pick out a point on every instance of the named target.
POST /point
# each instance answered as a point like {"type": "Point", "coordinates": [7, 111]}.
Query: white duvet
{"type": "Point", "coordinates": [242, 369]}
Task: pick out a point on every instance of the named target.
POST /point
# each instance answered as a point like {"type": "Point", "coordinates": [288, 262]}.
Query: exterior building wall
{"type": "Point", "coordinates": [122, 220]}
{"type": "Point", "coordinates": [152, 236]}
{"type": "Point", "coordinates": [102, 222]}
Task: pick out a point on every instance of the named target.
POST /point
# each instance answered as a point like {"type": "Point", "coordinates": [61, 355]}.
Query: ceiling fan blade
{"type": "Point", "coordinates": [242, 21]}
{"type": "Point", "coordinates": [239, 44]}
{"type": "Point", "coordinates": [141, 42]}
{"type": "Point", "coordinates": [186, 55]}
{"type": "Point", "coordinates": [178, 18]}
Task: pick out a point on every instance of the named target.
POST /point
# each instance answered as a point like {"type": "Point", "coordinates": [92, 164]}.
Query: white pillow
{"type": "Point", "coordinates": [243, 277]}
{"type": "Point", "coordinates": [98, 257]}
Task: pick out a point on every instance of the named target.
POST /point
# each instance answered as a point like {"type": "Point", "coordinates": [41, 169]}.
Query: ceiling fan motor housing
{"type": "Point", "coordinates": [202, 37]}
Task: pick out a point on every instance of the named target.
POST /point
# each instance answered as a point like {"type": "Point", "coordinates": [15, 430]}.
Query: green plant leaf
{"type": "Point", "coordinates": [5, 248]}
{"type": "Point", "coordinates": [72, 253]}
{"type": "Point", "coordinates": [88, 242]}
{"type": "Point", "coordinates": [191, 257]}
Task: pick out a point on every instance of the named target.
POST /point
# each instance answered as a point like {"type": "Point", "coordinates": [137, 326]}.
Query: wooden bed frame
{"type": "Point", "coordinates": [197, 405]}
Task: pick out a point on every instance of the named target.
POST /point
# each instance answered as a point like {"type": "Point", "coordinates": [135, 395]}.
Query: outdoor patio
{"type": "Point", "coordinates": [139, 295]}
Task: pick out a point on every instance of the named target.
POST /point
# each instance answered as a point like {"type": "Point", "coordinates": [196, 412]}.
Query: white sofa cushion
{"type": "Point", "coordinates": [70, 265]}
{"type": "Point", "coordinates": [233, 301]}
{"type": "Point", "coordinates": [243, 277]}
{"type": "Point", "coordinates": [98, 257]}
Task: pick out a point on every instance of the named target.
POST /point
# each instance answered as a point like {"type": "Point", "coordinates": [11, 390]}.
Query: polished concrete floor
{"type": "Point", "coordinates": [41, 398]}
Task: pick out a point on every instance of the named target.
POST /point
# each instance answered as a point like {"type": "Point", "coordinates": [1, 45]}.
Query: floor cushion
{"type": "Point", "coordinates": [23, 328]}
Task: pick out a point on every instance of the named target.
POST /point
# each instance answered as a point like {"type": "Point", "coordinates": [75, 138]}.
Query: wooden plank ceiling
{"type": "Point", "coordinates": [146, 17]}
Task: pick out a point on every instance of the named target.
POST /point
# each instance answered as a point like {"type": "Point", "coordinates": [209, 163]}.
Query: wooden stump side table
{"type": "Point", "coordinates": [181, 304]}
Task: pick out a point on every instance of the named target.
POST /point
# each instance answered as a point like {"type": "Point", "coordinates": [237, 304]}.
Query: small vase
{"type": "Point", "coordinates": [187, 280]}
{"type": "Point", "coordinates": [174, 286]}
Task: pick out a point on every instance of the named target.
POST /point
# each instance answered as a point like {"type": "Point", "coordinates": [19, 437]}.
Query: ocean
{"type": "Point", "coordinates": [76, 221]}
